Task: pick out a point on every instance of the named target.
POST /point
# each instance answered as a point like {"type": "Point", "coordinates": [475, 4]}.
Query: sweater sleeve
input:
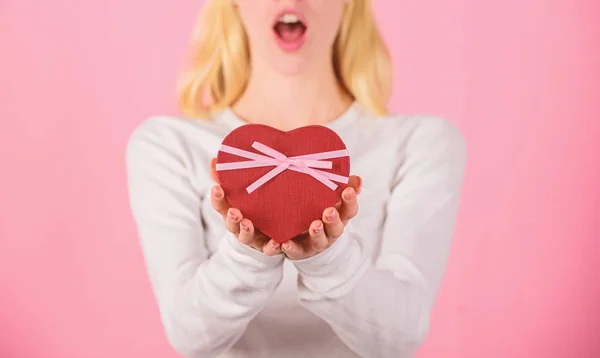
{"type": "Point", "coordinates": [205, 303]}
{"type": "Point", "coordinates": [381, 308]}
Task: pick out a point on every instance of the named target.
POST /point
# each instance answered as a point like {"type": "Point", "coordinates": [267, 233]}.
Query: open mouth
{"type": "Point", "coordinates": [290, 28]}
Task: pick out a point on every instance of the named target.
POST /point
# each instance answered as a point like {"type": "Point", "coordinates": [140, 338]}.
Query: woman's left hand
{"type": "Point", "coordinates": [323, 233]}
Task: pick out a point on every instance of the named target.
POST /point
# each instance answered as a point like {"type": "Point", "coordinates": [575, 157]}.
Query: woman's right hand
{"type": "Point", "coordinates": [241, 227]}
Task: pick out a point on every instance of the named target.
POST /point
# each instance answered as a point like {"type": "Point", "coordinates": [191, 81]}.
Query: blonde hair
{"type": "Point", "coordinates": [220, 60]}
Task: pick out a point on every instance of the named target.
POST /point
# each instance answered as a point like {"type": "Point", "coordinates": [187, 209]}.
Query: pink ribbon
{"type": "Point", "coordinates": [301, 163]}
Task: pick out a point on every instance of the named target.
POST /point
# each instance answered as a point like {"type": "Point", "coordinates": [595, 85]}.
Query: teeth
{"type": "Point", "coordinates": [289, 19]}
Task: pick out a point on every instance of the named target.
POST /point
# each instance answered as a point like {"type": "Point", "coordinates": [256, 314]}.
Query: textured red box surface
{"type": "Point", "coordinates": [286, 205]}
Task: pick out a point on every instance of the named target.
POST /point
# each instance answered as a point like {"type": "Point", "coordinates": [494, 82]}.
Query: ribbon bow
{"type": "Point", "coordinates": [301, 163]}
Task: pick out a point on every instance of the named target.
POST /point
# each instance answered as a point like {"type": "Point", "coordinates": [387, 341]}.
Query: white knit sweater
{"type": "Point", "coordinates": [369, 295]}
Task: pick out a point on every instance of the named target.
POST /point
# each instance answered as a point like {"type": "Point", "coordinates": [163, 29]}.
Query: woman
{"type": "Point", "coordinates": [357, 284]}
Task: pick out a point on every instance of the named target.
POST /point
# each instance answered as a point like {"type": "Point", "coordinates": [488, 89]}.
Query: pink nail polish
{"type": "Point", "coordinates": [318, 228]}
{"type": "Point", "coordinates": [231, 216]}
{"type": "Point", "coordinates": [216, 193]}
{"type": "Point", "coordinates": [349, 194]}
{"type": "Point", "coordinates": [331, 215]}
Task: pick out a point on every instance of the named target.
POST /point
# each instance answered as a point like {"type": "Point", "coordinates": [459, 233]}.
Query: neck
{"type": "Point", "coordinates": [287, 102]}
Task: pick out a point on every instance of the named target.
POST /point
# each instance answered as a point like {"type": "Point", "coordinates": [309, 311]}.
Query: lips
{"type": "Point", "coordinates": [290, 29]}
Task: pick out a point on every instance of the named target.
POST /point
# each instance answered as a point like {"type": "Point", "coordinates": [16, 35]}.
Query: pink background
{"type": "Point", "coordinates": [521, 78]}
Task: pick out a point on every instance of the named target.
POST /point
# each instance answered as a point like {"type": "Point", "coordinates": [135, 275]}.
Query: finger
{"type": "Point", "coordinates": [271, 248]}
{"type": "Point", "coordinates": [246, 235]}
{"type": "Point", "coordinates": [355, 182]}
{"type": "Point", "coordinates": [338, 205]}
{"type": "Point", "coordinates": [232, 222]}
{"type": "Point", "coordinates": [349, 207]}
{"type": "Point", "coordinates": [332, 223]}
{"type": "Point", "coordinates": [213, 169]}
{"type": "Point", "coordinates": [293, 249]}
{"type": "Point", "coordinates": [259, 236]}
{"type": "Point", "coordinates": [218, 201]}
{"type": "Point", "coordinates": [250, 237]}
{"type": "Point", "coordinates": [318, 239]}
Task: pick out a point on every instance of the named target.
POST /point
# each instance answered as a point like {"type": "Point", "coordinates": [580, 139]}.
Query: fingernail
{"type": "Point", "coordinates": [274, 244]}
{"type": "Point", "coordinates": [244, 226]}
{"type": "Point", "coordinates": [318, 227]}
{"type": "Point", "coordinates": [286, 246]}
{"type": "Point", "coordinates": [216, 193]}
{"type": "Point", "coordinates": [231, 216]}
{"type": "Point", "coordinates": [349, 194]}
{"type": "Point", "coordinates": [332, 214]}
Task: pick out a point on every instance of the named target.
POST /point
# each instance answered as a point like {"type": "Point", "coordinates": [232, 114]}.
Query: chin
{"type": "Point", "coordinates": [290, 65]}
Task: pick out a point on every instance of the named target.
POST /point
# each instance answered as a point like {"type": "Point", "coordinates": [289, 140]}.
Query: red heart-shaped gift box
{"type": "Point", "coordinates": [283, 205]}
